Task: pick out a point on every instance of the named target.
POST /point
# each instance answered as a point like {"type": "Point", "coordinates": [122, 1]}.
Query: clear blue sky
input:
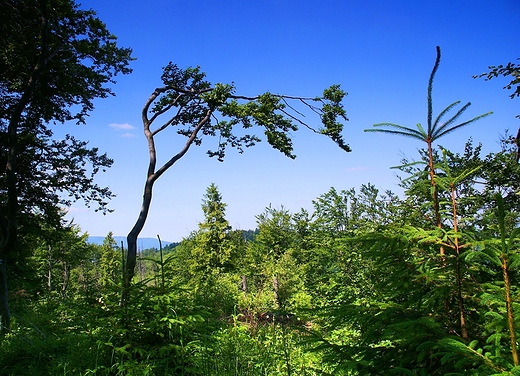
{"type": "Point", "coordinates": [381, 52]}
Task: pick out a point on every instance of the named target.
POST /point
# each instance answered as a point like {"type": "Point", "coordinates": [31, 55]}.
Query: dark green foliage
{"type": "Point", "coordinates": [55, 59]}
{"type": "Point", "coordinates": [368, 283]}
{"type": "Point", "coordinates": [357, 287]}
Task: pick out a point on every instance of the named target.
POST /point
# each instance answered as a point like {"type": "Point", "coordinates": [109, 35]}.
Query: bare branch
{"type": "Point", "coordinates": [281, 96]}
{"type": "Point", "coordinates": [298, 120]}
{"type": "Point", "coordinates": [189, 142]}
{"type": "Point", "coordinates": [148, 103]}
{"type": "Point", "coordinates": [168, 123]}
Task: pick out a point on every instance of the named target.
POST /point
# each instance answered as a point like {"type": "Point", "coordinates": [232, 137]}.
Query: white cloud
{"type": "Point", "coordinates": [128, 135]}
{"type": "Point", "coordinates": [356, 169]}
{"type": "Point", "coordinates": [124, 126]}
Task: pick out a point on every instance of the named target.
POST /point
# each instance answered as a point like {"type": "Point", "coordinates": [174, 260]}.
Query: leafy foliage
{"type": "Point", "coordinates": [55, 59]}
{"type": "Point", "coordinates": [368, 283]}
{"type": "Point", "coordinates": [510, 69]}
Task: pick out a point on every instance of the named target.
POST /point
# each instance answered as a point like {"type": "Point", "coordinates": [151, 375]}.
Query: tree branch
{"type": "Point", "coordinates": [186, 147]}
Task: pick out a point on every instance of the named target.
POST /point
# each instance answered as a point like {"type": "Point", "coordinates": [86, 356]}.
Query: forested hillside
{"type": "Point", "coordinates": [367, 282]}
{"type": "Point", "coordinates": [358, 286]}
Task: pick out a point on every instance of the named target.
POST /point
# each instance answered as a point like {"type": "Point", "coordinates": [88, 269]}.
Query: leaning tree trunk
{"type": "Point", "coordinates": [152, 176]}
{"type": "Point", "coordinates": [131, 258]}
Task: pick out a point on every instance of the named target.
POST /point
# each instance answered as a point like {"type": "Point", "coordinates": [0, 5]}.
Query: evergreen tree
{"type": "Point", "coordinates": [435, 130]}
{"type": "Point", "coordinates": [111, 271]}
{"type": "Point", "coordinates": [213, 251]}
{"type": "Point", "coordinates": [273, 268]}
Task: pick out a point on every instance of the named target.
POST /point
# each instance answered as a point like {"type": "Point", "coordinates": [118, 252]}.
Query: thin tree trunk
{"type": "Point", "coordinates": [162, 264]}
{"type": "Point", "coordinates": [460, 301]}
{"type": "Point", "coordinates": [244, 285]}
{"type": "Point", "coordinates": [152, 176]}
{"type": "Point", "coordinates": [66, 279]}
{"type": "Point", "coordinates": [509, 307]}
{"type": "Point", "coordinates": [505, 272]}
{"type": "Point", "coordinates": [458, 267]}
{"type": "Point", "coordinates": [142, 268]}
{"type": "Point", "coordinates": [275, 288]}
{"type": "Point", "coordinates": [435, 193]}
{"type": "Point", "coordinates": [131, 258]}
{"type": "Point", "coordinates": [49, 270]}
{"type": "Point", "coordinates": [5, 316]}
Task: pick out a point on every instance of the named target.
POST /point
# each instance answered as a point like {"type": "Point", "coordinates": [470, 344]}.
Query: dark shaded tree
{"type": "Point", "coordinates": [55, 59]}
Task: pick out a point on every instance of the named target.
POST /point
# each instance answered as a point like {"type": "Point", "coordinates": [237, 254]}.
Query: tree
{"type": "Point", "coordinates": [408, 311]}
{"type": "Point", "coordinates": [55, 60]}
{"type": "Point", "coordinates": [511, 69]}
{"type": "Point", "coordinates": [435, 130]}
{"type": "Point", "coordinates": [272, 264]}
{"type": "Point", "coordinates": [192, 105]}
{"type": "Point", "coordinates": [214, 253]}
{"type": "Point", "coordinates": [213, 248]}
{"type": "Point", "coordinates": [109, 264]}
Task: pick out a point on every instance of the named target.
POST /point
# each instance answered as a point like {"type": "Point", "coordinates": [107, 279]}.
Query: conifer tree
{"type": "Point", "coordinates": [435, 130]}
{"type": "Point", "coordinates": [213, 249]}
{"type": "Point", "coordinates": [110, 263]}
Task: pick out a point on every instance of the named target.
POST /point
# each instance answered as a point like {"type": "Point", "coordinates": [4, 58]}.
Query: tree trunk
{"type": "Point", "coordinates": [131, 258]}
{"type": "Point", "coordinates": [435, 193]}
{"type": "Point", "coordinates": [9, 229]}
{"type": "Point", "coordinates": [509, 308]}
{"type": "Point", "coordinates": [142, 268]}
{"type": "Point", "coordinates": [505, 273]}
{"type": "Point", "coordinates": [5, 315]}
{"type": "Point", "coordinates": [275, 288]}
{"type": "Point", "coordinates": [244, 285]}
{"type": "Point", "coordinates": [152, 176]}
{"type": "Point", "coordinates": [162, 264]}
{"type": "Point", "coordinates": [9, 226]}
{"type": "Point", "coordinates": [460, 301]}
{"type": "Point", "coordinates": [66, 278]}
{"type": "Point", "coordinates": [49, 270]}
{"type": "Point", "coordinates": [458, 267]}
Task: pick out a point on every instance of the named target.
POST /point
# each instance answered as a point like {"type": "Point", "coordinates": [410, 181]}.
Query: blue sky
{"type": "Point", "coordinates": [381, 52]}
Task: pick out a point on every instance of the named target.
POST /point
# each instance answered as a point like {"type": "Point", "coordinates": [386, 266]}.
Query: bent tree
{"type": "Point", "coordinates": [55, 59]}
{"type": "Point", "coordinates": [197, 110]}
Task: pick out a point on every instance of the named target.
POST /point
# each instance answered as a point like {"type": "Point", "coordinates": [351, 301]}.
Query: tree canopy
{"type": "Point", "coordinates": [55, 59]}
{"type": "Point", "coordinates": [196, 109]}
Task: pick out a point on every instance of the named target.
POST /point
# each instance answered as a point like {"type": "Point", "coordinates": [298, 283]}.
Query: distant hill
{"type": "Point", "coordinates": [142, 243]}
{"type": "Point", "coordinates": [149, 243]}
